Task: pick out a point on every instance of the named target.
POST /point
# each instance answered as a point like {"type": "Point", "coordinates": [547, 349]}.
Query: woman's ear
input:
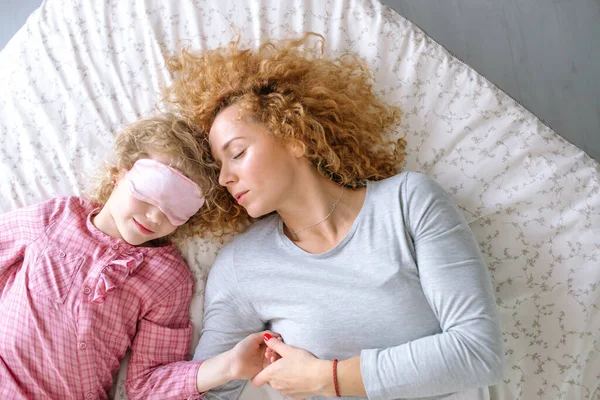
{"type": "Point", "coordinates": [296, 147]}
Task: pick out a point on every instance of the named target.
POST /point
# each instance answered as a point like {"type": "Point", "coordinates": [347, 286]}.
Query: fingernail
{"type": "Point", "coordinates": [267, 337]}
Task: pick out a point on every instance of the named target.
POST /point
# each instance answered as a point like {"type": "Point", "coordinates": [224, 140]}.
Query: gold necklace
{"type": "Point", "coordinates": [335, 203]}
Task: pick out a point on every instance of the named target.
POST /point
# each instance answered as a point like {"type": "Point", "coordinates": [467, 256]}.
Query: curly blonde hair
{"type": "Point", "coordinates": [328, 105]}
{"type": "Point", "coordinates": [164, 135]}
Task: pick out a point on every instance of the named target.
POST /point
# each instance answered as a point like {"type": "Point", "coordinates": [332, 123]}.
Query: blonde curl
{"type": "Point", "coordinates": [170, 136]}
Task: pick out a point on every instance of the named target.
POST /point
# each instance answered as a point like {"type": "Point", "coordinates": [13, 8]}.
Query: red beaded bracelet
{"type": "Point", "coordinates": [335, 382]}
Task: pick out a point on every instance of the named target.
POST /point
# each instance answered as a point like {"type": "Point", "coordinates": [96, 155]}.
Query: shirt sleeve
{"type": "Point", "coordinates": [158, 368]}
{"type": "Point", "coordinates": [468, 353]}
{"type": "Point", "coordinates": [228, 318]}
{"type": "Point", "coordinates": [18, 229]}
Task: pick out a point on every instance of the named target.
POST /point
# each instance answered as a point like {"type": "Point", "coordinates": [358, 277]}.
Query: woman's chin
{"type": "Point", "coordinates": [255, 213]}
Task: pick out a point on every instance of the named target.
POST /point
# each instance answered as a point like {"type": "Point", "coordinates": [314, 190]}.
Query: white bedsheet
{"type": "Point", "coordinates": [79, 70]}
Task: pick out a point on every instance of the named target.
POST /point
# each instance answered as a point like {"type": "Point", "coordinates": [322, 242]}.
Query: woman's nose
{"type": "Point", "coordinates": [225, 176]}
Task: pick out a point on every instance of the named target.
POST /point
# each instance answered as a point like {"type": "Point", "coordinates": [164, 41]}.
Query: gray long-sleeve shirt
{"type": "Point", "coordinates": [406, 289]}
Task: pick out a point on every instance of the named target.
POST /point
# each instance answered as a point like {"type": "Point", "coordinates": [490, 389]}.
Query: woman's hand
{"type": "Point", "coordinates": [244, 361]}
{"type": "Point", "coordinates": [297, 374]}
{"type": "Point", "coordinates": [250, 356]}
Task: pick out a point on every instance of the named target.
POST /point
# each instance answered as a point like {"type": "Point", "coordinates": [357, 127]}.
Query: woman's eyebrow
{"type": "Point", "coordinates": [226, 145]}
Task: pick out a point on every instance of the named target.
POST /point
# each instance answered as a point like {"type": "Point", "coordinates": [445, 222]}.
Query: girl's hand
{"type": "Point", "coordinates": [297, 374]}
{"type": "Point", "coordinates": [250, 356]}
{"type": "Point", "coordinates": [271, 354]}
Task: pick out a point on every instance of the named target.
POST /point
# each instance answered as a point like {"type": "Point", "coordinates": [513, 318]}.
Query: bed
{"type": "Point", "coordinates": [80, 70]}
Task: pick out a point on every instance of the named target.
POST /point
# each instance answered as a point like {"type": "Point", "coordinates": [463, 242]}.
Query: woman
{"type": "Point", "coordinates": [345, 258]}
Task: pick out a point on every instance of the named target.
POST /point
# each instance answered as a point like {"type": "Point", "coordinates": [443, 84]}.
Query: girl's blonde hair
{"type": "Point", "coordinates": [170, 136]}
{"type": "Point", "coordinates": [327, 105]}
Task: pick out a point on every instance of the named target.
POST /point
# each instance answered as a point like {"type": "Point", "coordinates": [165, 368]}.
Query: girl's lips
{"type": "Point", "coordinates": [142, 228]}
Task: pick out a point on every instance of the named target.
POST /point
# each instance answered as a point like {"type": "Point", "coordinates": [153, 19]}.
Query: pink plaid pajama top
{"type": "Point", "coordinates": [72, 300]}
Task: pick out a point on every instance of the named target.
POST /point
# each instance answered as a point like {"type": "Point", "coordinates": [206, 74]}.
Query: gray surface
{"type": "Point", "coordinates": [543, 53]}
{"type": "Point", "coordinates": [13, 14]}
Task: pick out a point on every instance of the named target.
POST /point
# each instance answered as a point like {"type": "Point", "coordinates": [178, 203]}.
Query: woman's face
{"type": "Point", "coordinates": [257, 169]}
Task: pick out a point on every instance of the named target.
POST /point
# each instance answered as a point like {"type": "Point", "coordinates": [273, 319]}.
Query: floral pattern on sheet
{"type": "Point", "coordinates": [80, 70]}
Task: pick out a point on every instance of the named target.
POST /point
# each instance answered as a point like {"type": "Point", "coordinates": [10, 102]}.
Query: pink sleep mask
{"type": "Point", "coordinates": [178, 197]}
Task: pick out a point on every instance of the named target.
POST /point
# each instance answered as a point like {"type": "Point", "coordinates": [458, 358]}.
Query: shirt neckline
{"type": "Point", "coordinates": [293, 247]}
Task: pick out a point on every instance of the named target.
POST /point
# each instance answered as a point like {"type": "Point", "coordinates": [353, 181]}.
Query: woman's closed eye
{"type": "Point", "coordinates": [238, 155]}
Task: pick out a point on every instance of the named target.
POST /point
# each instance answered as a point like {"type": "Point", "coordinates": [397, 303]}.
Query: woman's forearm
{"type": "Point", "coordinates": [349, 378]}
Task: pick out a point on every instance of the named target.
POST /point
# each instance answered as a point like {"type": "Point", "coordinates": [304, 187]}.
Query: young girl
{"type": "Point", "coordinates": [81, 281]}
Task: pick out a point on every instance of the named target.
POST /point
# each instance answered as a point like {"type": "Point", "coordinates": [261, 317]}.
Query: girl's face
{"type": "Point", "coordinates": [133, 220]}
{"type": "Point", "coordinates": [257, 170]}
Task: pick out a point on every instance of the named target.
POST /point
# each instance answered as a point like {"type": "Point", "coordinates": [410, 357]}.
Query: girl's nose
{"type": "Point", "coordinates": [154, 215]}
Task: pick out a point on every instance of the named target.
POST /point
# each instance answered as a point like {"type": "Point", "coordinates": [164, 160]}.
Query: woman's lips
{"type": "Point", "coordinates": [142, 228]}
{"type": "Point", "coordinates": [240, 196]}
